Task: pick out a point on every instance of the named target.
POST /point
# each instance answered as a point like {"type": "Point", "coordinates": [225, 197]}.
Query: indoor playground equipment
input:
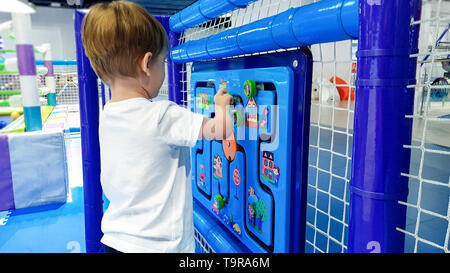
{"type": "Point", "coordinates": [21, 24]}
{"type": "Point", "coordinates": [259, 190]}
{"type": "Point", "coordinates": [27, 71]}
{"type": "Point", "coordinates": [10, 66]}
{"type": "Point", "coordinates": [28, 98]}
{"type": "Point", "coordinates": [31, 144]}
{"type": "Point", "coordinates": [202, 11]}
{"type": "Point", "coordinates": [252, 183]}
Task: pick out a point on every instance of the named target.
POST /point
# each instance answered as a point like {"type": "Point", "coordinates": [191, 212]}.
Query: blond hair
{"type": "Point", "coordinates": [117, 35]}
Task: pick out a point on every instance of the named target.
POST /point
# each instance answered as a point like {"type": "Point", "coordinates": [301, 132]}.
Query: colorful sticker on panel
{"type": "Point", "coordinates": [264, 119]}
{"type": "Point", "coordinates": [270, 172]}
{"type": "Point", "coordinates": [237, 228]}
{"type": "Point", "coordinates": [218, 203]}
{"type": "Point", "coordinates": [257, 210]}
{"type": "Point", "coordinates": [202, 176]}
{"type": "Point", "coordinates": [225, 214]}
{"type": "Point", "coordinates": [217, 167]}
{"type": "Point", "coordinates": [252, 113]}
{"type": "Point", "coordinates": [237, 182]}
{"type": "Point", "coordinates": [204, 101]}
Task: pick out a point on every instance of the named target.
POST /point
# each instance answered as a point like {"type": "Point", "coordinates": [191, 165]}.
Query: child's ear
{"type": "Point", "coordinates": [145, 63]}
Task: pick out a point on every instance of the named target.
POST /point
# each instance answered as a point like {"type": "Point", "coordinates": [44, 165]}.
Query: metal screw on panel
{"type": "Point", "coordinates": [295, 63]}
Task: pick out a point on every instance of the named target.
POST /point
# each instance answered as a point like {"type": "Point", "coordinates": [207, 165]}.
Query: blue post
{"type": "Point", "coordinates": [89, 121]}
{"type": "Point", "coordinates": [386, 40]}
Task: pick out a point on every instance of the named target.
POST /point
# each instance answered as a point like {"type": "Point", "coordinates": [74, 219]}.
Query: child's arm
{"type": "Point", "coordinates": [220, 127]}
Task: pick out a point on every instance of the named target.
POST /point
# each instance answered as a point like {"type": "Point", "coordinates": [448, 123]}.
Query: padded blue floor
{"type": "Point", "coordinates": [47, 229]}
{"type": "Point", "coordinates": [52, 228]}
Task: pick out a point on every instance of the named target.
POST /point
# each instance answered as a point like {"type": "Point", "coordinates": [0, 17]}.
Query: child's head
{"type": "Point", "coordinates": [121, 39]}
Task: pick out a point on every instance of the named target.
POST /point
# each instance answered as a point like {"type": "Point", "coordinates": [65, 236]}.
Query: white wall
{"type": "Point", "coordinates": [50, 25]}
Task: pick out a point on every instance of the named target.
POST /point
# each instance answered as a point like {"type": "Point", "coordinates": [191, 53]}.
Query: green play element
{"type": "Point", "coordinates": [238, 118]}
{"type": "Point", "coordinates": [6, 111]}
{"type": "Point", "coordinates": [4, 103]}
{"type": "Point", "coordinates": [219, 201]}
{"type": "Point", "coordinates": [7, 51]}
{"type": "Point", "coordinates": [13, 51]}
{"type": "Point", "coordinates": [18, 126]}
{"type": "Point", "coordinates": [14, 92]}
{"type": "Point", "coordinates": [8, 73]}
{"type": "Point", "coordinates": [10, 93]}
{"type": "Point", "coordinates": [250, 89]}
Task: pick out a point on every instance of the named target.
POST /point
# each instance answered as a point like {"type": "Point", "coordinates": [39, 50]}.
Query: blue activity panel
{"type": "Point", "coordinates": [253, 185]}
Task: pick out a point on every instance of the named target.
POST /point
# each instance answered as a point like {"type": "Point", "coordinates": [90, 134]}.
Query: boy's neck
{"type": "Point", "coordinates": [127, 88]}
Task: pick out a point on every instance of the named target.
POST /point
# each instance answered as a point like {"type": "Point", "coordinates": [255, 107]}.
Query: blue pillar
{"type": "Point", "coordinates": [386, 39]}
{"type": "Point", "coordinates": [89, 121]}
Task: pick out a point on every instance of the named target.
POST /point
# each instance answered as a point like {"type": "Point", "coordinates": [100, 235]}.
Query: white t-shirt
{"type": "Point", "coordinates": [146, 175]}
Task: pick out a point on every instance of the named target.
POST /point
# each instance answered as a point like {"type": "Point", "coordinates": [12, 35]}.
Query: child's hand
{"type": "Point", "coordinates": [222, 98]}
{"type": "Point", "coordinates": [220, 127]}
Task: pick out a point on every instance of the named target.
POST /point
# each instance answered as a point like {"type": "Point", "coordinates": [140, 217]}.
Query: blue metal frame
{"type": "Point", "coordinates": [89, 121]}
{"type": "Point", "coordinates": [320, 22]}
{"type": "Point", "coordinates": [291, 74]}
{"type": "Point", "coordinates": [386, 39]}
{"type": "Point", "coordinates": [203, 11]}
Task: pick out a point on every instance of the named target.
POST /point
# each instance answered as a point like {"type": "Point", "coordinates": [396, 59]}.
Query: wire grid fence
{"type": "Point", "coordinates": [330, 148]}
{"type": "Point", "coordinates": [428, 207]}
{"type": "Point", "coordinates": [9, 85]}
{"type": "Point", "coordinates": [66, 85]}
{"type": "Point", "coordinates": [331, 130]}
{"type": "Point", "coordinates": [66, 77]}
{"type": "Point", "coordinates": [201, 244]}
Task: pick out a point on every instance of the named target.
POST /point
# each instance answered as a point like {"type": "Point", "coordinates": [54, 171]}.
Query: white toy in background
{"type": "Point", "coordinates": [315, 91]}
{"type": "Point", "coordinates": [325, 91]}
{"type": "Point", "coordinates": [11, 66]}
{"type": "Point", "coordinates": [15, 101]}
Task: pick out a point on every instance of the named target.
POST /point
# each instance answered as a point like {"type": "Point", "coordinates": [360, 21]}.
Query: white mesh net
{"type": "Point", "coordinates": [66, 78]}
{"type": "Point", "coordinates": [428, 208]}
